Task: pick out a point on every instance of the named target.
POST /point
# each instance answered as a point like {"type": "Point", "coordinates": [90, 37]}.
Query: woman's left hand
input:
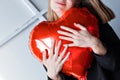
{"type": "Point", "coordinates": [81, 38]}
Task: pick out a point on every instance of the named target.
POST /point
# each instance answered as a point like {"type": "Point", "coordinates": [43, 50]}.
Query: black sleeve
{"type": "Point", "coordinates": [110, 61]}
{"type": "Point", "coordinates": [110, 40]}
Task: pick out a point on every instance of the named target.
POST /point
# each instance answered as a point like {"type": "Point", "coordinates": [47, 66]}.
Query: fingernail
{"type": "Point", "coordinates": [76, 23]}
{"type": "Point", "coordinates": [58, 31]}
{"type": "Point", "coordinates": [69, 53]}
{"type": "Point", "coordinates": [62, 26]}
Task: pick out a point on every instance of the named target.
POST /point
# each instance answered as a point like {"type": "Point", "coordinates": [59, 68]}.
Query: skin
{"type": "Point", "coordinates": [56, 61]}
{"type": "Point", "coordinates": [61, 6]}
{"type": "Point", "coordinates": [80, 38]}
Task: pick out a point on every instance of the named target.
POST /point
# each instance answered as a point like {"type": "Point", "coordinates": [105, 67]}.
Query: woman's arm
{"type": "Point", "coordinates": [105, 48]}
{"type": "Point", "coordinates": [54, 63]}
{"type": "Point", "coordinates": [64, 77]}
{"type": "Point", "coordinates": [112, 44]}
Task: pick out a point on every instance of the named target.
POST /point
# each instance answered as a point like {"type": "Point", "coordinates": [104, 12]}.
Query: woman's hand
{"type": "Point", "coordinates": [81, 38]}
{"type": "Point", "coordinates": [54, 63]}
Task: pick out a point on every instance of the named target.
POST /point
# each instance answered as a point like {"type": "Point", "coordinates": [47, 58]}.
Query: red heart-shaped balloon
{"type": "Point", "coordinates": [80, 58]}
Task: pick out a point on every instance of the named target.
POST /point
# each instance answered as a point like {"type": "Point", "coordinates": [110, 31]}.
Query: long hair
{"type": "Point", "coordinates": [104, 13]}
{"type": "Point", "coordinates": [97, 7]}
{"type": "Point", "coordinates": [51, 15]}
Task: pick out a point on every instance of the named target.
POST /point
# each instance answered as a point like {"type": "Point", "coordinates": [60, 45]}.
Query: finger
{"type": "Point", "coordinates": [69, 29]}
{"type": "Point", "coordinates": [80, 26]}
{"type": "Point", "coordinates": [44, 55]}
{"type": "Point", "coordinates": [66, 38]}
{"type": "Point", "coordinates": [66, 57]}
{"type": "Point", "coordinates": [62, 54]}
{"type": "Point", "coordinates": [57, 49]}
{"type": "Point", "coordinates": [62, 62]}
{"type": "Point", "coordinates": [52, 48]}
{"type": "Point", "coordinates": [65, 33]}
{"type": "Point", "coordinates": [71, 45]}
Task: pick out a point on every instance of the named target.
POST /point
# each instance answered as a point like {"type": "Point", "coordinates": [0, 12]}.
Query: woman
{"type": "Point", "coordinates": [105, 49]}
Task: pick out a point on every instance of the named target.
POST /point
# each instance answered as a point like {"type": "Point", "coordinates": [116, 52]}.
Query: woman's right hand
{"type": "Point", "coordinates": [54, 63]}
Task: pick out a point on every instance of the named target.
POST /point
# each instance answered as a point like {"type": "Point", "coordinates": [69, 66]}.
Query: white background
{"type": "Point", "coordinates": [16, 61]}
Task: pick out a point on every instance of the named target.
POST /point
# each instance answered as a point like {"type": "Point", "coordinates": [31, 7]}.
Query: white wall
{"type": "Point", "coordinates": [16, 61]}
{"type": "Point", "coordinates": [12, 14]}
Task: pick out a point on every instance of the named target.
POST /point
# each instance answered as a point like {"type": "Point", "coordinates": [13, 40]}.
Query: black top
{"type": "Point", "coordinates": [104, 67]}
